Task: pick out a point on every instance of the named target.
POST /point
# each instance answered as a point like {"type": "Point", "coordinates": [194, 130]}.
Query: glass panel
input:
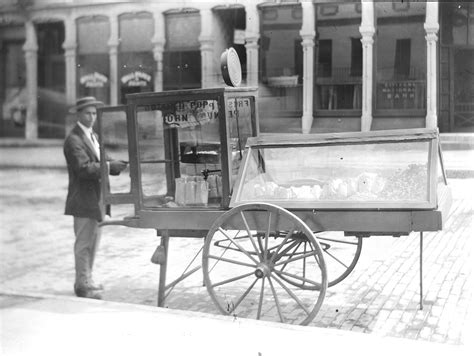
{"type": "Point", "coordinates": [239, 115]}
{"type": "Point", "coordinates": [401, 60]}
{"type": "Point", "coordinates": [115, 143]}
{"type": "Point", "coordinates": [388, 172]}
{"type": "Point", "coordinates": [179, 148]}
{"type": "Point", "coordinates": [281, 60]}
{"type": "Point", "coordinates": [338, 57]}
{"type": "Point", "coordinates": [182, 30]}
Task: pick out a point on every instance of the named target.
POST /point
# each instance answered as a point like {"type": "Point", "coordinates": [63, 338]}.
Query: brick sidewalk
{"type": "Point", "coordinates": [380, 297]}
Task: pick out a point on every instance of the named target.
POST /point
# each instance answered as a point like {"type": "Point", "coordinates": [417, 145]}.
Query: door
{"type": "Point", "coordinates": [464, 90]}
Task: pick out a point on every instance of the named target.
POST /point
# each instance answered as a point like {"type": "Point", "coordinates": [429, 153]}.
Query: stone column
{"type": "Point", "coordinates": [252, 35]}
{"type": "Point", "coordinates": [307, 34]}
{"type": "Point", "coordinates": [206, 39]}
{"type": "Point", "coordinates": [431, 28]}
{"type": "Point", "coordinates": [31, 57]}
{"type": "Point", "coordinates": [367, 30]}
{"type": "Point", "coordinates": [70, 48]}
{"type": "Point", "coordinates": [113, 45]}
{"type": "Point", "coordinates": [158, 42]}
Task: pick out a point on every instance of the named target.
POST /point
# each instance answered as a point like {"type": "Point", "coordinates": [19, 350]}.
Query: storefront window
{"type": "Point", "coordinates": [136, 63]}
{"type": "Point", "coordinates": [338, 58]}
{"type": "Point", "coordinates": [457, 21]}
{"type": "Point", "coordinates": [93, 57]}
{"type": "Point", "coordinates": [401, 58]}
{"type": "Point", "coordinates": [182, 56]}
{"type": "Point", "coordinates": [281, 60]}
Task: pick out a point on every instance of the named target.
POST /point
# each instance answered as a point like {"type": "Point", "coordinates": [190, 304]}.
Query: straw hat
{"type": "Point", "coordinates": [85, 102]}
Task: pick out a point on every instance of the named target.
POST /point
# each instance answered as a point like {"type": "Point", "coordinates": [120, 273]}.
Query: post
{"type": "Point", "coordinates": [206, 39]}
{"type": "Point", "coordinates": [158, 42]}
{"type": "Point", "coordinates": [421, 270]}
{"type": "Point", "coordinates": [367, 30]}
{"type": "Point", "coordinates": [431, 28]}
{"type": "Point", "coordinates": [307, 34]}
{"type": "Point", "coordinates": [113, 45]}
{"type": "Point", "coordinates": [31, 57]}
{"type": "Point", "coordinates": [165, 238]}
{"type": "Point", "coordinates": [252, 35]}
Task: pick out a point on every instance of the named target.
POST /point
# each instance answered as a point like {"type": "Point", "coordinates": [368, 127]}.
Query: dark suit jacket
{"type": "Point", "coordinates": [83, 198]}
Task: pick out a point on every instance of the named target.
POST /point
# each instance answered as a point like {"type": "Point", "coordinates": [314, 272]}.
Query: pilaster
{"type": "Point", "coordinates": [31, 58]}
{"type": "Point", "coordinates": [431, 27]}
{"type": "Point", "coordinates": [113, 45]}
{"type": "Point", "coordinates": [252, 35]}
{"type": "Point", "coordinates": [367, 30]}
{"type": "Point", "coordinates": [206, 39]}
{"type": "Point", "coordinates": [158, 42]}
{"type": "Point", "coordinates": [70, 51]}
{"type": "Point", "coordinates": [307, 34]}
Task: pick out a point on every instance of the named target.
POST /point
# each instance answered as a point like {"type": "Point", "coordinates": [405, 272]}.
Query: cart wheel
{"type": "Point", "coordinates": [252, 270]}
{"type": "Point", "coordinates": [341, 254]}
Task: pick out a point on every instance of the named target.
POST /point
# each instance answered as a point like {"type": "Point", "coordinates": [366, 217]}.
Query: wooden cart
{"type": "Point", "coordinates": [282, 216]}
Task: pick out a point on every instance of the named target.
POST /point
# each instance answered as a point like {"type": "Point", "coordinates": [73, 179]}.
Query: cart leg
{"type": "Point", "coordinates": [165, 238]}
{"type": "Point", "coordinates": [421, 270]}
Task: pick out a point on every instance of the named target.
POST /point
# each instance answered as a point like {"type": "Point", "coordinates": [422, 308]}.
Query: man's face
{"type": "Point", "coordinates": [87, 116]}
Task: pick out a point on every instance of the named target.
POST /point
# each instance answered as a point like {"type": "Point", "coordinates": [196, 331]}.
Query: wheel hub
{"type": "Point", "coordinates": [262, 270]}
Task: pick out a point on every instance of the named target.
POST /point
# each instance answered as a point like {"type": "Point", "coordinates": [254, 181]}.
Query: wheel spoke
{"type": "Point", "coordinates": [244, 251]}
{"type": "Point", "coordinates": [303, 279]}
{"type": "Point", "coordinates": [231, 279]}
{"type": "Point", "coordinates": [288, 235]}
{"type": "Point", "coordinates": [290, 246]}
{"type": "Point", "coordinates": [336, 259]}
{"type": "Point", "coordinates": [295, 248]}
{"type": "Point", "coordinates": [292, 295]}
{"type": "Point", "coordinates": [295, 258]}
{"type": "Point", "coordinates": [250, 234]}
{"type": "Point", "coordinates": [260, 301]}
{"type": "Point", "coordinates": [277, 302]}
{"type": "Point", "coordinates": [242, 297]}
{"type": "Point", "coordinates": [220, 258]}
{"type": "Point", "coordinates": [267, 235]}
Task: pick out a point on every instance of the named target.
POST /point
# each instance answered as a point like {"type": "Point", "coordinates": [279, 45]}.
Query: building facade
{"type": "Point", "coordinates": [321, 66]}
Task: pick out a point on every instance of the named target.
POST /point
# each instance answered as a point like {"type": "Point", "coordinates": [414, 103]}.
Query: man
{"type": "Point", "coordinates": [81, 149]}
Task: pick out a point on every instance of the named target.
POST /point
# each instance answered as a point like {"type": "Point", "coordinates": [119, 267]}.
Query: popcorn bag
{"type": "Point", "coordinates": [191, 191]}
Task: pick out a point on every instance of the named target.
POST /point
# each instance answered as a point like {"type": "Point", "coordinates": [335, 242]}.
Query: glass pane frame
{"type": "Point", "coordinates": [333, 141]}
{"type": "Point", "coordinates": [118, 141]}
{"type": "Point", "coordinates": [171, 143]}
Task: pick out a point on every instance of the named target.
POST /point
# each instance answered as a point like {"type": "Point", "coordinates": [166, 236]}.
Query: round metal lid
{"type": "Point", "coordinates": [230, 67]}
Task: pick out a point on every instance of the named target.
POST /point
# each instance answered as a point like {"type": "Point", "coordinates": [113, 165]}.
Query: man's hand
{"type": "Point", "coordinates": [116, 167]}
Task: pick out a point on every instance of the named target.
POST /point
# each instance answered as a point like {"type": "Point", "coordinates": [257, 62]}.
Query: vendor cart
{"type": "Point", "coordinates": [282, 216]}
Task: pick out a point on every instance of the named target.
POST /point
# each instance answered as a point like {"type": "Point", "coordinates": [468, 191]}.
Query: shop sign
{"type": "Point", "coordinates": [94, 80]}
{"type": "Point", "coordinates": [136, 79]}
{"type": "Point", "coordinates": [192, 113]}
{"type": "Point", "coordinates": [399, 90]}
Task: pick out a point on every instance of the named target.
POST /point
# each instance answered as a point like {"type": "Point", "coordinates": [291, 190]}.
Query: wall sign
{"type": "Point", "coordinates": [94, 80]}
{"type": "Point", "coordinates": [136, 79]}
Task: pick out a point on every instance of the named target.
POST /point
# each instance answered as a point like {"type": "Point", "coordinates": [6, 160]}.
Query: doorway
{"type": "Point", "coordinates": [463, 95]}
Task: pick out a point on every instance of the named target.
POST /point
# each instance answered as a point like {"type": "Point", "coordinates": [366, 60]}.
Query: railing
{"type": "Point", "coordinates": [464, 114]}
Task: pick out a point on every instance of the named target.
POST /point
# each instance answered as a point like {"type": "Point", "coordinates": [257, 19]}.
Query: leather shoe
{"type": "Point", "coordinates": [87, 293]}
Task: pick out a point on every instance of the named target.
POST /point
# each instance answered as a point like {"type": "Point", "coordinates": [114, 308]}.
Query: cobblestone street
{"type": "Point", "coordinates": [380, 297]}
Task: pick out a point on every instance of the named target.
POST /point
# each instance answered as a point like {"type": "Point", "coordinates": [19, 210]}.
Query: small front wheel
{"type": "Point", "coordinates": [253, 270]}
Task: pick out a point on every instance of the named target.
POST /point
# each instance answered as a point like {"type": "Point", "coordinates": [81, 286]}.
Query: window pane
{"type": "Point", "coordinates": [401, 59]}
{"type": "Point", "coordinates": [281, 57]}
{"type": "Point", "coordinates": [389, 172]}
{"type": "Point", "coordinates": [180, 153]}
{"type": "Point", "coordinates": [337, 57]}
{"type": "Point", "coordinates": [115, 141]}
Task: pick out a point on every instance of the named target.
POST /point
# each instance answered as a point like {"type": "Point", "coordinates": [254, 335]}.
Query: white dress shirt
{"type": "Point", "coordinates": [92, 138]}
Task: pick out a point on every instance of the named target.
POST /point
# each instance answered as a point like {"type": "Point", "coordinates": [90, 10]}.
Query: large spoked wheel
{"type": "Point", "coordinates": [341, 254]}
{"type": "Point", "coordinates": [253, 270]}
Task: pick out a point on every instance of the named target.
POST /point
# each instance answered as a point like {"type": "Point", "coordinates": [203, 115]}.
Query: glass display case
{"type": "Point", "coordinates": [184, 147]}
{"type": "Point", "coordinates": [377, 170]}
